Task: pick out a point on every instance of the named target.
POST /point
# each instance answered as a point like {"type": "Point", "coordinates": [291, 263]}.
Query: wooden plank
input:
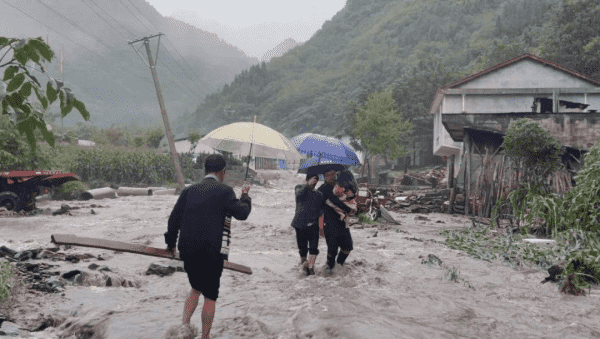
{"type": "Point", "coordinates": [387, 217]}
{"type": "Point", "coordinates": [70, 239]}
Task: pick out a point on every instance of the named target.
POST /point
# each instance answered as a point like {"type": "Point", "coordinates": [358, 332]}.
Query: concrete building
{"type": "Point", "coordinates": [473, 114]}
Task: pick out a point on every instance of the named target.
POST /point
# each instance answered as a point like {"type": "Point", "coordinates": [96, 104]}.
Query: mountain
{"type": "Point", "coordinates": [104, 71]}
{"type": "Point", "coordinates": [415, 46]}
{"type": "Point", "coordinates": [280, 49]}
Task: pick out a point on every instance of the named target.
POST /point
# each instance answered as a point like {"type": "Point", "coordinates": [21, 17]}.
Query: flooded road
{"type": "Point", "coordinates": [384, 290]}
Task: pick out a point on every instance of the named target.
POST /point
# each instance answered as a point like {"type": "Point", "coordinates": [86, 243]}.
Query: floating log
{"type": "Point", "coordinates": [104, 192]}
{"type": "Point", "coordinates": [170, 191]}
{"type": "Point", "coordinates": [125, 191]}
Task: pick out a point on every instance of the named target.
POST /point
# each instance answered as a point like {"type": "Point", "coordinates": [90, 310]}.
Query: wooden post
{"type": "Point", "coordinates": [467, 140]}
{"type": "Point", "coordinates": [451, 172]}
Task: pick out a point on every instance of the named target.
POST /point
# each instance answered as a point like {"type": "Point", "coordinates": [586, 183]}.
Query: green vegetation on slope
{"type": "Point", "coordinates": [415, 46]}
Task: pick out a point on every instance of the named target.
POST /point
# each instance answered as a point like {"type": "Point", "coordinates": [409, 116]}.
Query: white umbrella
{"type": "Point", "coordinates": [252, 138]}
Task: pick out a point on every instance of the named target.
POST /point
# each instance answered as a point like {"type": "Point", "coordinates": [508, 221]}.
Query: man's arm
{"type": "Point", "coordinates": [238, 208]}
{"type": "Point", "coordinates": [174, 222]}
{"type": "Point", "coordinates": [328, 195]}
{"type": "Point", "coordinates": [301, 192]}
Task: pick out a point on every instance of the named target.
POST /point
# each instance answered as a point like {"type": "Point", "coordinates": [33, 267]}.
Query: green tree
{"type": "Point", "coordinates": [572, 37]}
{"type": "Point", "coordinates": [18, 84]}
{"type": "Point", "coordinates": [380, 127]}
{"type": "Point", "coordinates": [154, 136]}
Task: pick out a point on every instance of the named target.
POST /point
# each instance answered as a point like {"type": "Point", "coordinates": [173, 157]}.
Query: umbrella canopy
{"type": "Point", "coordinates": [319, 166]}
{"type": "Point", "coordinates": [325, 147]}
{"type": "Point", "coordinates": [266, 142]}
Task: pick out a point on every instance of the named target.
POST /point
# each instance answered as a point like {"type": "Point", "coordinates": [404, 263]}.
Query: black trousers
{"type": "Point", "coordinates": [308, 240]}
{"type": "Point", "coordinates": [337, 237]}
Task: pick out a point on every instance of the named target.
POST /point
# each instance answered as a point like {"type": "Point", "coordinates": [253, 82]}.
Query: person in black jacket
{"type": "Point", "coordinates": [335, 216]}
{"type": "Point", "coordinates": [199, 217]}
{"type": "Point", "coordinates": [305, 222]}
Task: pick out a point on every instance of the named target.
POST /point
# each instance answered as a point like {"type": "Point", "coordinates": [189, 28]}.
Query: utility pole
{"type": "Point", "coordinates": [62, 77]}
{"type": "Point", "coordinates": [152, 65]}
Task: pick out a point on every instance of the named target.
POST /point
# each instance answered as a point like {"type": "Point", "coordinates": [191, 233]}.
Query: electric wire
{"type": "Point", "coordinates": [172, 44]}
{"type": "Point", "coordinates": [84, 31]}
{"type": "Point", "coordinates": [168, 52]}
{"type": "Point", "coordinates": [128, 31]}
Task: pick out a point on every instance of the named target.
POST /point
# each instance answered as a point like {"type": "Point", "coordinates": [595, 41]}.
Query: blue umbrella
{"type": "Point", "coordinates": [325, 148]}
{"type": "Point", "coordinates": [318, 166]}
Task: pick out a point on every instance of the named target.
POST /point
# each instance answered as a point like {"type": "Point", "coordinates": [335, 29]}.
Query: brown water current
{"type": "Point", "coordinates": [383, 291]}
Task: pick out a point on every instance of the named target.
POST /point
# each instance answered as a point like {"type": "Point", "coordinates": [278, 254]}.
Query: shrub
{"type": "Point", "coordinates": [6, 277]}
{"type": "Point", "coordinates": [70, 190]}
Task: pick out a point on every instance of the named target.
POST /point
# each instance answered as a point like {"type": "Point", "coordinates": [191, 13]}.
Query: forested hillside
{"type": "Point", "coordinates": [414, 45]}
{"type": "Point", "coordinates": [105, 71]}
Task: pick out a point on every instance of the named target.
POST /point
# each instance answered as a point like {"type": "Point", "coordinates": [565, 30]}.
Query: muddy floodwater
{"type": "Point", "coordinates": [383, 291]}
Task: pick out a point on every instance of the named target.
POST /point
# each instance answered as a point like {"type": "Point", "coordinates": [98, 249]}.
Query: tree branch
{"type": "Point", "coordinates": [8, 63]}
{"type": "Point", "coordinates": [9, 48]}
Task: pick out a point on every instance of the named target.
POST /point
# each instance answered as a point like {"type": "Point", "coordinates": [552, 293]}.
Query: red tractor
{"type": "Point", "coordinates": [18, 189]}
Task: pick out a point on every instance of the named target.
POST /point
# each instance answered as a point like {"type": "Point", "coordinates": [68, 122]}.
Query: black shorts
{"type": "Point", "coordinates": [204, 274]}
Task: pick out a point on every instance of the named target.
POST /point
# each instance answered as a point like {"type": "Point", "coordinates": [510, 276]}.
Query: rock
{"type": "Point", "coordinates": [114, 281]}
{"type": "Point", "coordinates": [9, 329]}
{"type": "Point", "coordinates": [78, 279]}
{"type": "Point", "coordinates": [93, 266]}
{"type": "Point", "coordinates": [7, 252]}
{"type": "Point", "coordinates": [420, 217]}
{"type": "Point", "coordinates": [72, 258]}
{"type": "Point", "coordinates": [162, 270]}
{"type": "Point", "coordinates": [50, 285]}
{"type": "Point", "coordinates": [27, 254]}
{"type": "Point", "coordinates": [104, 269]}
{"type": "Point", "coordinates": [71, 274]}
{"type": "Point", "coordinates": [431, 260]}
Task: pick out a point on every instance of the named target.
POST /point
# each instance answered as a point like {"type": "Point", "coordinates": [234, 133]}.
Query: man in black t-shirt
{"type": "Point", "coordinates": [199, 217]}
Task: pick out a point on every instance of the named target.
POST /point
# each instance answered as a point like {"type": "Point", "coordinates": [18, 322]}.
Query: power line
{"type": "Point", "coordinates": [66, 37]}
{"type": "Point", "coordinates": [74, 25]}
{"type": "Point", "coordinates": [98, 14]}
{"type": "Point", "coordinates": [166, 66]}
{"type": "Point", "coordinates": [175, 48]}
{"type": "Point", "coordinates": [93, 10]}
{"type": "Point", "coordinates": [108, 15]}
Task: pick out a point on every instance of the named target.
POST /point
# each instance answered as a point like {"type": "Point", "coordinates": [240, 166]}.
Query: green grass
{"type": "Point", "coordinates": [366, 220]}
{"type": "Point", "coordinates": [6, 276]}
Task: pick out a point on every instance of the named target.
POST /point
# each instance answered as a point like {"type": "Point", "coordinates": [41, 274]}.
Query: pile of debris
{"type": "Point", "coordinates": [49, 278]}
{"type": "Point", "coordinates": [434, 177]}
{"type": "Point", "coordinates": [423, 201]}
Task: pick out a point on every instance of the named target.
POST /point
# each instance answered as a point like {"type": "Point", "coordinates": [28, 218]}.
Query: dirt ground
{"type": "Point", "coordinates": [383, 291]}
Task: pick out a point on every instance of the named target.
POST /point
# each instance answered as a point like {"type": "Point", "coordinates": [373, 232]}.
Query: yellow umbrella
{"type": "Point", "coordinates": [252, 138]}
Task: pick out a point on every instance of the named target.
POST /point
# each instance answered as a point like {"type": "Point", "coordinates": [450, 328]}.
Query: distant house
{"type": "Point", "coordinates": [473, 114]}
{"type": "Point", "coordinates": [183, 145]}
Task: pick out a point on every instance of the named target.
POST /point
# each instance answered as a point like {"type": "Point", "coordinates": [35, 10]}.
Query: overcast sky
{"type": "Point", "coordinates": [254, 26]}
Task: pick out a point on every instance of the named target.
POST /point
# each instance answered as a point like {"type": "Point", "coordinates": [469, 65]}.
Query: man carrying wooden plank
{"type": "Point", "coordinates": [201, 217]}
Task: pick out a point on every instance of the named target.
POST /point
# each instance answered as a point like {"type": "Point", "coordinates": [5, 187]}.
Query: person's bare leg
{"type": "Point", "coordinates": [190, 305]}
{"type": "Point", "coordinates": [208, 314]}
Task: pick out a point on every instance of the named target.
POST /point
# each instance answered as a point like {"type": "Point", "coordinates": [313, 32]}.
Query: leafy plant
{"type": "Point", "coordinates": [365, 219]}
{"type": "Point", "coordinates": [18, 86]}
{"type": "Point", "coordinates": [6, 276]}
{"type": "Point", "coordinates": [70, 190]}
